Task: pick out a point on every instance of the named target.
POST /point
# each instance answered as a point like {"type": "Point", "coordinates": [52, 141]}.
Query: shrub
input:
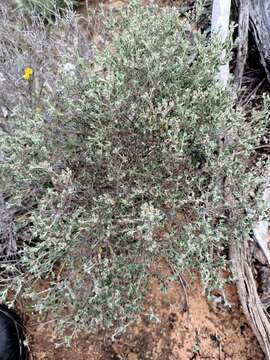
{"type": "Point", "coordinates": [45, 8]}
{"type": "Point", "coordinates": [106, 148]}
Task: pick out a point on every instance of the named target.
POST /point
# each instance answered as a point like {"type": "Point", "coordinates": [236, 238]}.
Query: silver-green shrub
{"type": "Point", "coordinates": [102, 147]}
{"type": "Point", "coordinates": [45, 8]}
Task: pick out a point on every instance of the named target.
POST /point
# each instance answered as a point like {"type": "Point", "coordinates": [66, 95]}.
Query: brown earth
{"type": "Point", "coordinates": [188, 328]}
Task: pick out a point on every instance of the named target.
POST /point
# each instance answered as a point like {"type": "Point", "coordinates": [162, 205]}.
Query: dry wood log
{"type": "Point", "coordinates": [247, 290]}
{"type": "Point", "coordinates": [260, 24]}
{"type": "Point", "coordinates": [243, 269]}
{"type": "Point", "coordinates": [259, 18]}
{"type": "Point", "coordinates": [240, 253]}
{"type": "Point", "coordinates": [243, 27]}
{"type": "Point", "coordinates": [257, 14]}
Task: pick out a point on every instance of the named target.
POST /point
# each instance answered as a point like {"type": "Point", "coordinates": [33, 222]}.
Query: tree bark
{"type": "Point", "coordinates": [243, 27]}
{"type": "Point", "coordinates": [260, 24]}
{"type": "Point", "coordinates": [259, 18]}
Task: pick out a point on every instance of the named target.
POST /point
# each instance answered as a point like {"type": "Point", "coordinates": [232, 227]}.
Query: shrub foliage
{"type": "Point", "coordinates": [115, 156]}
{"type": "Point", "coordinates": [45, 8]}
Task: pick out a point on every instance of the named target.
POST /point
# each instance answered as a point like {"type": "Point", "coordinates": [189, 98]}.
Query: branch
{"type": "Point", "coordinates": [220, 28]}
{"type": "Point", "coordinates": [243, 26]}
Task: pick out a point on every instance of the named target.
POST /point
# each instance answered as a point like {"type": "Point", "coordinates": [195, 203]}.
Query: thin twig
{"type": "Point", "coordinates": [183, 284]}
{"type": "Point", "coordinates": [251, 94]}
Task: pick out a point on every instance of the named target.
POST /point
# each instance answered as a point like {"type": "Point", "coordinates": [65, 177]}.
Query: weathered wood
{"type": "Point", "coordinates": [260, 23]}
{"type": "Point", "coordinates": [259, 16]}
{"type": "Point", "coordinates": [242, 266]}
{"type": "Point", "coordinates": [243, 27]}
{"type": "Point", "coordinates": [220, 28]}
{"type": "Point", "coordinates": [240, 253]}
{"type": "Point", "coordinates": [257, 12]}
{"type": "Point", "coordinates": [249, 298]}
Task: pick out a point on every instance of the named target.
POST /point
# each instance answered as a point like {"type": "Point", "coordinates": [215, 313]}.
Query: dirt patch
{"type": "Point", "coordinates": [184, 330]}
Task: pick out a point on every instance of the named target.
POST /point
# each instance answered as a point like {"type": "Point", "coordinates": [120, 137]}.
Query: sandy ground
{"type": "Point", "coordinates": [189, 328]}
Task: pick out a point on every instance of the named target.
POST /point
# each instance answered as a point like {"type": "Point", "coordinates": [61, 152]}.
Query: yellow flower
{"type": "Point", "coordinates": [28, 72]}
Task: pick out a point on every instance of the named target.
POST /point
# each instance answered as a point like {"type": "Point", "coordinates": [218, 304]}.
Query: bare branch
{"type": "Point", "coordinates": [220, 28]}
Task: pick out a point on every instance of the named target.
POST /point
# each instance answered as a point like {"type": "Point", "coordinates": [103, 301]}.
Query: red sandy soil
{"type": "Point", "coordinates": [187, 330]}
